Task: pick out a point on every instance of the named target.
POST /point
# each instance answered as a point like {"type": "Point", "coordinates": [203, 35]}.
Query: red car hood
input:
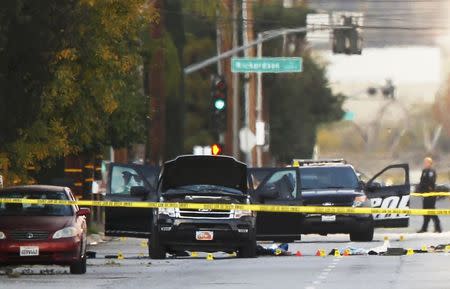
{"type": "Point", "coordinates": [38, 223]}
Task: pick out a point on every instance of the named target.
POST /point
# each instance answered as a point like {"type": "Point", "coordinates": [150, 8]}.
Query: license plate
{"type": "Point", "coordinates": [204, 235]}
{"type": "Point", "coordinates": [328, 218]}
{"type": "Point", "coordinates": [29, 251]}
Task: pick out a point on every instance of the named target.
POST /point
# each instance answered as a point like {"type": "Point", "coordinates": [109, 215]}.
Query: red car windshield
{"type": "Point", "coordinates": [7, 209]}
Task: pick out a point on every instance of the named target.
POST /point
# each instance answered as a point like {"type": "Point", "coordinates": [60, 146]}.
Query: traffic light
{"type": "Point", "coordinates": [216, 149]}
{"type": "Point", "coordinates": [219, 103]}
{"type": "Point", "coordinates": [347, 40]}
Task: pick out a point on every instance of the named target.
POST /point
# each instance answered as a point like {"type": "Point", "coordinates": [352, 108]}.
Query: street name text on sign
{"type": "Point", "coordinates": [266, 64]}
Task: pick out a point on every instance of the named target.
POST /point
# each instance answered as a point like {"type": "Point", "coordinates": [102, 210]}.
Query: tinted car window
{"type": "Point", "coordinates": [7, 209]}
{"type": "Point", "coordinates": [123, 178]}
{"type": "Point", "coordinates": [328, 178]}
{"type": "Point", "coordinates": [285, 182]}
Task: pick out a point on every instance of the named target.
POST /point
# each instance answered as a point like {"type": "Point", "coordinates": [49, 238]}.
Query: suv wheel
{"type": "Point", "coordinates": [155, 249]}
{"type": "Point", "coordinates": [366, 235]}
{"type": "Point", "coordinates": [249, 250]}
{"type": "Point", "coordinates": [79, 267]}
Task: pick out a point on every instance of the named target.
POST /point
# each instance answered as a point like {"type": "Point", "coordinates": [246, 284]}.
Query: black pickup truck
{"type": "Point", "coordinates": [195, 179]}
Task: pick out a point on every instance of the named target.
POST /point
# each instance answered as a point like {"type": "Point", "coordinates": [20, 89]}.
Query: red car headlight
{"type": "Point", "coordinates": [67, 232]}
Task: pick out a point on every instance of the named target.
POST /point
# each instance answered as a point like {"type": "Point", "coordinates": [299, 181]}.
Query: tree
{"type": "Point", "coordinates": [70, 78]}
{"type": "Point", "coordinates": [298, 103]}
{"type": "Point", "coordinates": [200, 31]}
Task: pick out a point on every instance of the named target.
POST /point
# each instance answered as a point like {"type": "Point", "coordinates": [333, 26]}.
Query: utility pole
{"type": "Point", "coordinates": [219, 42]}
{"type": "Point", "coordinates": [259, 103]}
{"type": "Point", "coordinates": [235, 83]}
{"type": "Point", "coordinates": [250, 84]}
{"type": "Point", "coordinates": [157, 110]}
{"type": "Point", "coordinates": [225, 31]}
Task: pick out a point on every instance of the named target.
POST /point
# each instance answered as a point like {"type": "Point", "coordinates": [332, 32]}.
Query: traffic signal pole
{"type": "Point", "coordinates": [253, 86]}
{"type": "Point", "coordinates": [235, 83]}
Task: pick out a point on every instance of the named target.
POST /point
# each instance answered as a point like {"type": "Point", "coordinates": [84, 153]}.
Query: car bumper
{"type": "Point", "coordinates": [229, 234]}
{"type": "Point", "coordinates": [313, 224]}
{"type": "Point", "coordinates": [59, 252]}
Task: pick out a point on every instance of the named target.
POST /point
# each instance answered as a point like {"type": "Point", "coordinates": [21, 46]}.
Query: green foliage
{"type": "Point", "coordinates": [298, 103]}
{"type": "Point", "coordinates": [197, 94]}
{"type": "Point", "coordinates": [69, 77]}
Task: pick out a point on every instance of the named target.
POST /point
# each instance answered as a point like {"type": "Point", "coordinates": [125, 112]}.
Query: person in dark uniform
{"type": "Point", "coordinates": [428, 184]}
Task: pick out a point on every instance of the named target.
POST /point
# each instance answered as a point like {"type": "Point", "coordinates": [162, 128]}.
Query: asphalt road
{"type": "Point", "coordinates": [427, 270]}
{"type": "Point", "coordinates": [309, 271]}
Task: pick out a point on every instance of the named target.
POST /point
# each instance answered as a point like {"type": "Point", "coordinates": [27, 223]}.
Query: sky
{"type": "Point", "coordinates": [401, 64]}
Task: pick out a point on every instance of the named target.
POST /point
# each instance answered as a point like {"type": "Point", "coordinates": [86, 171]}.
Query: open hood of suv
{"type": "Point", "coordinates": [204, 170]}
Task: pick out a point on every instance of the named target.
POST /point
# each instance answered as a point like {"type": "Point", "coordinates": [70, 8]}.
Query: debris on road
{"type": "Point", "coordinates": [274, 250]}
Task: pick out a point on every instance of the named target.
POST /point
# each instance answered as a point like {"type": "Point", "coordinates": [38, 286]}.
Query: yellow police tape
{"type": "Point", "coordinates": [431, 194]}
{"type": "Point", "coordinates": [256, 208]}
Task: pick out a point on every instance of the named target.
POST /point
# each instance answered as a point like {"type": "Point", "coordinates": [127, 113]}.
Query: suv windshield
{"type": "Point", "coordinates": [316, 178]}
{"type": "Point", "coordinates": [205, 189]}
{"type": "Point", "coordinates": [32, 209]}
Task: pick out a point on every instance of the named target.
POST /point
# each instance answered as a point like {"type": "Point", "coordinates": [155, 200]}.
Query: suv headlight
{"type": "Point", "coordinates": [171, 212]}
{"type": "Point", "coordinates": [237, 214]}
{"type": "Point", "coordinates": [2, 235]}
{"type": "Point", "coordinates": [67, 232]}
{"type": "Point", "coordinates": [359, 201]}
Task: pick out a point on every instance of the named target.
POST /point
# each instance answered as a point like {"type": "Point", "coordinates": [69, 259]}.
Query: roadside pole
{"type": "Point", "coordinates": [247, 53]}
{"type": "Point", "coordinates": [235, 79]}
{"type": "Point", "coordinates": [259, 103]}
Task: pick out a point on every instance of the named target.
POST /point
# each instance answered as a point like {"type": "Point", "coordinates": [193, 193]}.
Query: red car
{"type": "Point", "coordinates": [42, 234]}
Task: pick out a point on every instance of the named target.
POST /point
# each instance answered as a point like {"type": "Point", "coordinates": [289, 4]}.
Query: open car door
{"type": "Point", "coordinates": [390, 189]}
{"type": "Point", "coordinates": [277, 186]}
{"type": "Point", "coordinates": [130, 183]}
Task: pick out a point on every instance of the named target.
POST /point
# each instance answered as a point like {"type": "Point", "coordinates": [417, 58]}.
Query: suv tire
{"type": "Point", "coordinates": [249, 250]}
{"type": "Point", "coordinates": [155, 250]}
{"type": "Point", "coordinates": [365, 235]}
{"type": "Point", "coordinates": [79, 267]}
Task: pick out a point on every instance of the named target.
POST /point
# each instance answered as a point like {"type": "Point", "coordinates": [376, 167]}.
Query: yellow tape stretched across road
{"type": "Point", "coordinates": [256, 208]}
{"type": "Point", "coordinates": [431, 194]}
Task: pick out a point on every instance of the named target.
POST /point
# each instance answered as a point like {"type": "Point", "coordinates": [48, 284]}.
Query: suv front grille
{"type": "Point", "coordinates": [204, 214]}
{"type": "Point", "coordinates": [29, 235]}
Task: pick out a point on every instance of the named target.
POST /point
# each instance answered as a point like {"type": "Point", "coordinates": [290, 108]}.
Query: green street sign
{"type": "Point", "coordinates": [266, 64]}
{"type": "Point", "coordinates": [349, 115]}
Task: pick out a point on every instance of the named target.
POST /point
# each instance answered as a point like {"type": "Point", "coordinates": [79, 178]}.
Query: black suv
{"type": "Point", "coordinates": [336, 185]}
{"type": "Point", "coordinates": [187, 179]}
{"type": "Point", "coordinates": [327, 183]}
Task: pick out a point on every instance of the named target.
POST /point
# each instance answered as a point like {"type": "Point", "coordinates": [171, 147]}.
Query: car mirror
{"type": "Point", "coordinates": [138, 191]}
{"type": "Point", "coordinates": [84, 212]}
{"type": "Point", "coordinates": [361, 185]}
{"type": "Point", "coordinates": [373, 186]}
{"type": "Point", "coordinates": [269, 192]}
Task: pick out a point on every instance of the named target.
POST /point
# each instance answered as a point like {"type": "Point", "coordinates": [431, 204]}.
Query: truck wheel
{"type": "Point", "coordinates": [248, 251]}
{"type": "Point", "coordinates": [365, 235]}
{"type": "Point", "coordinates": [79, 267]}
{"type": "Point", "coordinates": [155, 250]}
